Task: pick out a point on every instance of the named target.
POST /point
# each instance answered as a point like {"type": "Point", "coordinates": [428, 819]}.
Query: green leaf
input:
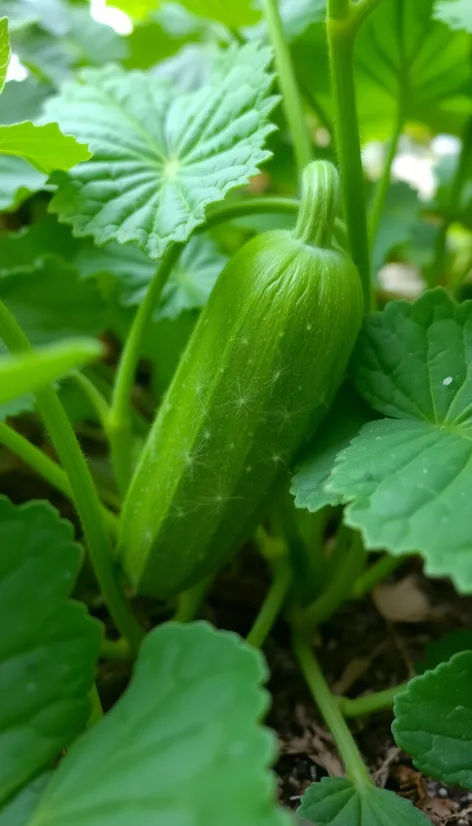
{"type": "Point", "coordinates": [433, 721]}
{"type": "Point", "coordinates": [18, 181]}
{"type": "Point", "coordinates": [18, 405]}
{"type": "Point", "coordinates": [407, 479]}
{"type": "Point", "coordinates": [19, 808]}
{"type": "Point", "coordinates": [4, 51]}
{"type": "Point", "coordinates": [457, 14]}
{"type": "Point", "coordinates": [439, 651]}
{"type": "Point", "coordinates": [47, 658]}
{"type": "Point", "coordinates": [187, 724]}
{"type": "Point", "coordinates": [136, 9]}
{"type": "Point", "coordinates": [51, 302]}
{"type": "Point", "coordinates": [232, 13]}
{"type": "Point", "coordinates": [45, 147]}
{"type": "Point", "coordinates": [28, 248]}
{"type": "Point", "coordinates": [160, 157]}
{"type": "Point", "coordinates": [26, 373]}
{"type": "Point", "coordinates": [338, 802]}
{"type": "Point", "coordinates": [343, 421]}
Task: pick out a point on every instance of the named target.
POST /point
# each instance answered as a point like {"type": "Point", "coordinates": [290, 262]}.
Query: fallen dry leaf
{"type": "Point", "coordinates": [404, 601]}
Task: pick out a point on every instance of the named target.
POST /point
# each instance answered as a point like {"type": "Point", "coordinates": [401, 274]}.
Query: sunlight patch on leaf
{"type": "Point", "coordinates": [188, 721]}
{"type": "Point", "coordinates": [232, 13]}
{"type": "Point", "coordinates": [161, 157]}
{"type": "Point", "coordinates": [4, 51]}
{"type": "Point", "coordinates": [433, 721]}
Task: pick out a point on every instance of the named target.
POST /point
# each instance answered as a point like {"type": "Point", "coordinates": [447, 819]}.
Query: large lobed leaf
{"type": "Point", "coordinates": [183, 745]}
{"type": "Point", "coordinates": [160, 157]}
{"type": "Point", "coordinates": [47, 657]}
{"type": "Point", "coordinates": [407, 479]}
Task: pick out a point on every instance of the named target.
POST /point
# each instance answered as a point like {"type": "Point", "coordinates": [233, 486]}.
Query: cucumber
{"type": "Point", "coordinates": [258, 374]}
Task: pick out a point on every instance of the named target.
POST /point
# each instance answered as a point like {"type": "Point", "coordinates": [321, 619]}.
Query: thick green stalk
{"type": "Point", "coordinates": [383, 184]}
{"type": "Point", "coordinates": [272, 605]}
{"type": "Point", "coordinates": [377, 701]}
{"type": "Point", "coordinates": [119, 422]}
{"type": "Point", "coordinates": [288, 84]}
{"type": "Point", "coordinates": [46, 468]}
{"type": "Point", "coordinates": [115, 650]}
{"type": "Point", "coordinates": [85, 495]}
{"type": "Point", "coordinates": [341, 58]}
{"type": "Point", "coordinates": [376, 574]}
{"type": "Point", "coordinates": [340, 589]}
{"type": "Point", "coordinates": [361, 11]}
{"type": "Point", "coordinates": [328, 705]}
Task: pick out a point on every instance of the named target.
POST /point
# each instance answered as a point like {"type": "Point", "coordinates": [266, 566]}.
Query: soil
{"type": "Point", "coordinates": [358, 649]}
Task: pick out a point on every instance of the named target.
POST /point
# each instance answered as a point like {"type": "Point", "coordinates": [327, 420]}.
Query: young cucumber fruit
{"type": "Point", "coordinates": [265, 359]}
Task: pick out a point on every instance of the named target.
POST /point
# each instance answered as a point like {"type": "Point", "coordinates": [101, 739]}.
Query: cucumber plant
{"type": "Point", "coordinates": [240, 340]}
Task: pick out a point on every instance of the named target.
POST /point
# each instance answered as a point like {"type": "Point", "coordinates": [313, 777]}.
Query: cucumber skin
{"type": "Point", "coordinates": [263, 363]}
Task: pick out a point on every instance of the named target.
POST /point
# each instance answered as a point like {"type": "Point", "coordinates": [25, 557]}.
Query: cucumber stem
{"type": "Point", "coordinates": [318, 205]}
{"type": "Point", "coordinates": [271, 606]}
{"type": "Point", "coordinates": [327, 703]}
{"type": "Point", "coordinates": [370, 703]}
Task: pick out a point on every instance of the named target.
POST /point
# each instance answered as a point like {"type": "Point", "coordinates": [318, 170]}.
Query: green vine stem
{"type": "Point", "coordinates": [85, 495]}
{"type": "Point", "coordinates": [189, 602]}
{"type": "Point", "coordinates": [376, 574]}
{"type": "Point", "coordinates": [380, 194]}
{"type": "Point", "coordinates": [119, 420]}
{"type": "Point", "coordinates": [455, 194]}
{"type": "Point", "coordinates": [115, 650]}
{"type": "Point", "coordinates": [272, 605]}
{"type": "Point", "coordinates": [341, 57]}
{"type": "Point", "coordinates": [45, 467]}
{"type": "Point", "coordinates": [288, 84]}
{"type": "Point", "coordinates": [370, 703]}
{"type": "Point", "coordinates": [340, 589]}
{"type": "Point", "coordinates": [329, 707]}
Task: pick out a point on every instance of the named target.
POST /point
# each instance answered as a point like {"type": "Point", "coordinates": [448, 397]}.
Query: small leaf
{"type": "Point", "coordinates": [457, 14]}
{"type": "Point", "coordinates": [160, 156]}
{"type": "Point", "coordinates": [338, 802]}
{"type": "Point", "coordinates": [30, 246]}
{"type": "Point", "coordinates": [343, 421]}
{"type": "Point", "coordinates": [27, 373]}
{"type": "Point", "coordinates": [4, 51]}
{"type": "Point", "coordinates": [23, 99]}
{"type": "Point", "coordinates": [407, 480]}
{"type": "Point", "coordinates": [47, 658]}
{"type": "Point", "coordinates": [433, 721]}
{"type": "Point", "coordinates": [45, 147]}
{"type": "Point", "coordinates": [182, 745]}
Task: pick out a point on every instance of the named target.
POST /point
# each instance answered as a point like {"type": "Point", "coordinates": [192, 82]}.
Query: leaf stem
{"type": "Point", "coordinates": [340, 589]}
{"type": "Point", "coordinates": [272, 605]}
{"type": "Point", "coordinates": [380, 194]}
{"type": "Point", "coordinates": [45, 467]}
{"type": "Point", "coordinates": [328, 705]}
{"type": "Point", "coordinates": [455, 194]}
{"type": "Point", "coordinates": [370, 703]}
{"type": "Point", "coordinates": [376, 574]}
{"type": "Point", "coordinates": [249, 206]}
{"type": "Point", "coordinates": [341, 58]}
{"type": "Point", "coordinates": [119, 420]}
{"type": "Point", "coordinates": [189, 601]}
{"type": "Point", "coordinates": [85, 495]}
{"type": "Point", "coordinates": [115, 650]}
{"type": "Point", "coordinates": [288, 84]}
